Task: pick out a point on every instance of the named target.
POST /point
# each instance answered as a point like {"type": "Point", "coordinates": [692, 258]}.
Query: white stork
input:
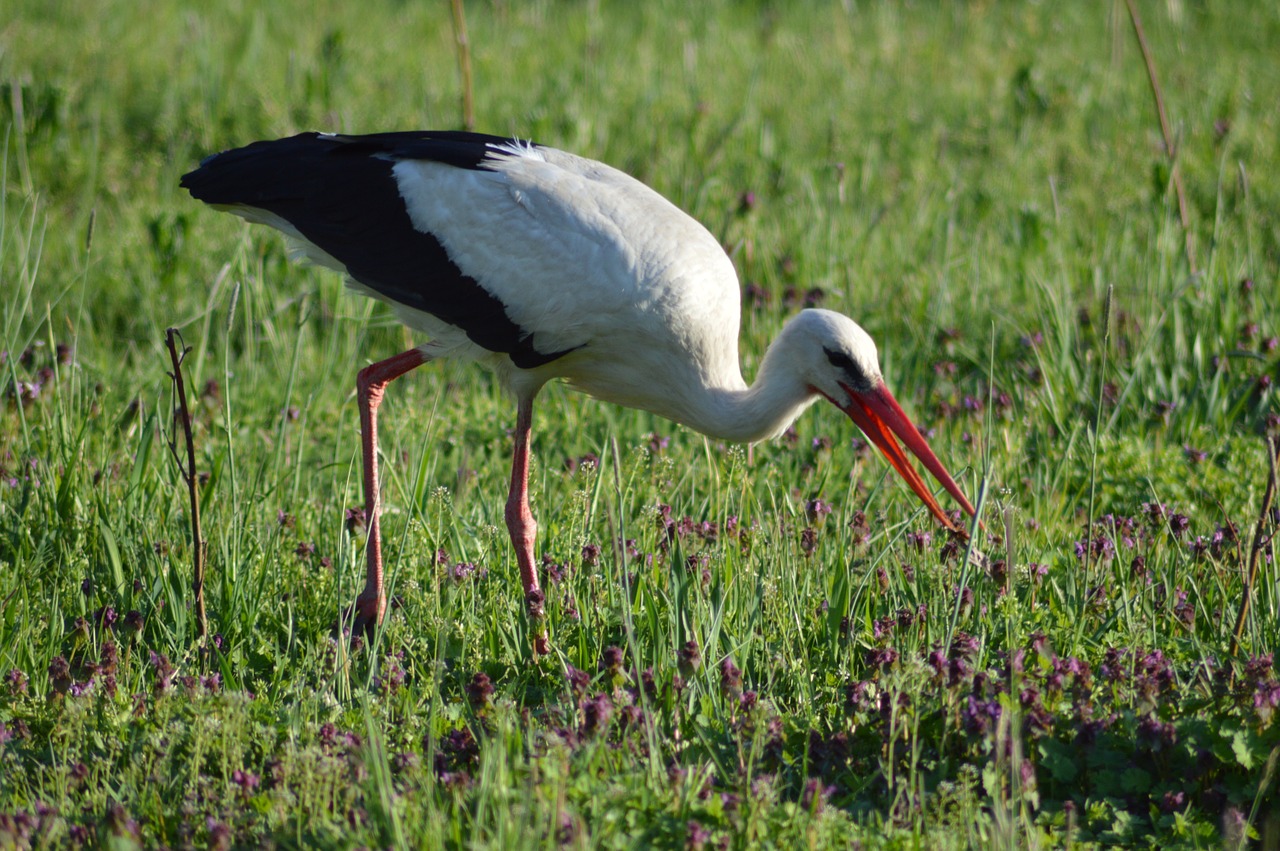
{"type": "Point", "coordinates": [540, 264]}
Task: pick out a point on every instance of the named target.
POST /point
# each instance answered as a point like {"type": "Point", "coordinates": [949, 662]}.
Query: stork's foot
{"type": "Point", "coordinates": [363, 616]}
{"type": "Point", "coordinates": [535, 608]}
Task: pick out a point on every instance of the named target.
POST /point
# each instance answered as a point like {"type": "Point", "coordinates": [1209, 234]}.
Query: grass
{"type": "Point", "coordinates": [804, 660]}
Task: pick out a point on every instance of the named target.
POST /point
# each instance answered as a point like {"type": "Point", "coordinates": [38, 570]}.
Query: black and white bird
{"type": "Point", "coordinates": [540, 265]}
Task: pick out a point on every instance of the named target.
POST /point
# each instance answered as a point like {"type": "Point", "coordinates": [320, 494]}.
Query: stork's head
{"type": "Point", "coordinates": [839, 362]}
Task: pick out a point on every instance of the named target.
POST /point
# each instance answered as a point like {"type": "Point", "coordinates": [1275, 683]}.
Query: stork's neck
{"type": "Point", "coordinates": [760, 412]}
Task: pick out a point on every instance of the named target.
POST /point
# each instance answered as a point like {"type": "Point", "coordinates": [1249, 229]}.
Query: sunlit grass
{"type": "Point", "coordinates": [778, 649]}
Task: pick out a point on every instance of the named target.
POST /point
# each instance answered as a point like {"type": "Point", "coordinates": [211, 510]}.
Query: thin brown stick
{"type": "Point", "coordinates": [1176, 173]}
{"type": "Point", "coordinates": [188, 470]}
{"type": "Point", "coordinates": [464, 63]}
{"type": "Point", "coordinates": [1259, 542]}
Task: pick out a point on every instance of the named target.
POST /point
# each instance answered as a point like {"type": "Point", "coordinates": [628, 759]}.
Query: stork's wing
{"type": "Point", "coordinates": [339, 197]}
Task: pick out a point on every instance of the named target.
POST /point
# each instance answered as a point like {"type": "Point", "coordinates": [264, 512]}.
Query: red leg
{"type": "Point", "coordinates": [524, 529]}
{"type": "Point", "coordinates": [372, 381]}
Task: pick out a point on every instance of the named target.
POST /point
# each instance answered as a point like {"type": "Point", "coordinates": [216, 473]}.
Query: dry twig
{"type": "Point", "coordinates": [182, 414]}
{"type": "Point", "coordinates": [1170, 150]}
{"type": "Point", "coordinates": [464, 63]}
{"type": "Point", "coordinates": [1260, 542]}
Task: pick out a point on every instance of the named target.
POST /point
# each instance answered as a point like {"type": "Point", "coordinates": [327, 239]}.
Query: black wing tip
{"type": "Point", "coordinates": [188, 180]}
{"type": "Point", "coordinates": [425, 144]}
{"type": "Point", "coordinates": [246, 165]}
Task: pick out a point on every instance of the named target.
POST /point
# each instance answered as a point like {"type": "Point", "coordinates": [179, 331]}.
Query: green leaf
{"type": "Point", "coordinates": [1056, 757]}
{"type": "Point", "coordinates": [1135, 780]}
{"type": "Point", "coordinates": [1241, 743]}
{"type": "Point", "coordinates": [113, 554]}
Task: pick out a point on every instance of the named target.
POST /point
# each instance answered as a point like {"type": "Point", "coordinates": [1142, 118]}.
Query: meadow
{"type": "Point", "coordinates": [769, 649]}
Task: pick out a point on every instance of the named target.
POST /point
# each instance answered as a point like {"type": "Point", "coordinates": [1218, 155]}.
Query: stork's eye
{"type": "Point", "coordinates": [847, 365]}
{"type": "Point", "coordinates": [841, 361]}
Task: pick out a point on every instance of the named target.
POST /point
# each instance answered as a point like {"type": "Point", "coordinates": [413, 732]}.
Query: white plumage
{"type": "Point", "coordinates": [550, 234]}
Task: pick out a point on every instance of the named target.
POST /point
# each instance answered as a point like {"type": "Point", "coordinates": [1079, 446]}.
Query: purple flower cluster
{"type": "Point", "coordinates": [480, 692]}
{"type": "Point", "coordinates": [919, 541]}
{"type": "Point", "coordinates": [354, 520]}
{"type": "Point", "coordinates": [794, 297]}
{"type": "Point", "coordinates": [677, 529]}
{"type": "Point", "coordinates": [461, 571]}
{"type": "Point", "coordinates": [1258, 688]}
{"type": "Point", "coordinates": [164, 672]}
{"type": "Point", "coordinates": [37, 371]}
{"type": "Point", "coordinates": [456, 756]}
{"type": "Point", "coordinates": [979, 717]}
{"type": "Point", "coordinates": [555, 571]}
{"type": "Point", "coordinates": [1142, 531]}
{"type": "Point", "coordinates": [859, 528]}
{"type": "Point", "coordinates": [589, 461]}
{"type": "Point", "coordinates": [26, 473]}
{"type": "Point", "coordinates": [392, 677]}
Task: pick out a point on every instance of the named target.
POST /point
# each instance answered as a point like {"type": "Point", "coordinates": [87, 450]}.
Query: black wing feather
{"type": "Point", "coordinates": [340, 194]}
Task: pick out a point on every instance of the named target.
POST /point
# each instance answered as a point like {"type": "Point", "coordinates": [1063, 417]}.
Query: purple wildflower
{"type": "Point", "coordinates": [730, 679]}
{"type": "Point", "coordinates": [60, 674]}
{"type": "Point", "coordinates": [816, 510]}
{"type": "Point", "coordinates": [755, 295]}
{"type": "Point", "coordinates": [164, 672]}
{"type": "Point", "coordinates": [689, 658]}
{"type": "Point", "coordinates": [1173, 802]}
{"type": "Point", "coordinates": [979, 716]}
{"type": "Point", "coordinates": [857, 696]}
{"type": "Point", "coordinates": [1156, 735]}
{"type": "Point", "coordinates": [859, 528]}
{"type": "Point", "coordinates": [479, 691]}
{"type": "Point", "coordinates": [882, 657]}
{"type": "Point", "coordinates": [919, 541]}
{"type": "Point", "coordinates": [578, 681]}
{"type": "Point", "coordinates": [354, 519]}
{"type": "Point", "coordinates": [247, 781]}
{"type": "Point", "coordinates": [814, 797]}
{"type": "Point", "coordinates": [1266, 699]}
{"type": "Point", "coordinates": [808, 541]}
{"type": "Point", "coordinates": [595, 714]}
{"type": "Point", "coordinates": [696, 836]}
{"type": "Point", "coordinates": [464, 569]}
{"type": "Point", "coordinates": [17, 682]}
{"type": "Point", "coordinates": [611, 659]}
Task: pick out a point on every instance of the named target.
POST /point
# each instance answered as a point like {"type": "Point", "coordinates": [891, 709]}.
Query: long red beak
{"type": "Point", "coordinates": [880, 417]}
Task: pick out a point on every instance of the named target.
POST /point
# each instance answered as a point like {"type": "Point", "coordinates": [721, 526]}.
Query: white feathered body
{"type": "Point", "coordinates": [589, 259]}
